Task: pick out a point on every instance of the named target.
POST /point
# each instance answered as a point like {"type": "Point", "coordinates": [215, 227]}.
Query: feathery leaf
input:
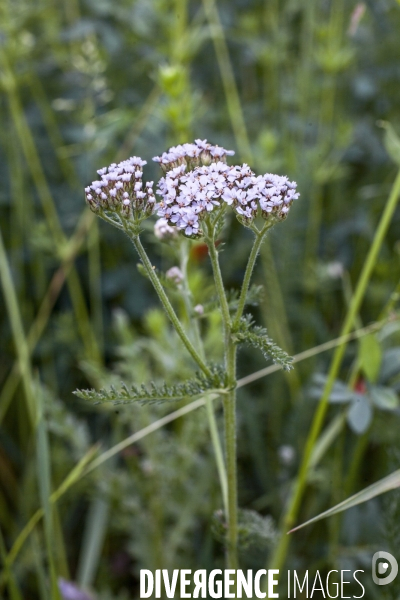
{"type": "Point", "coordinates": [257, 337]}
{"type": "Point", "coordinates": [153, 393]}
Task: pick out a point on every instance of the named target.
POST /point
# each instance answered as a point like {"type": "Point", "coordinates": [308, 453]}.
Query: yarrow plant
{"type": "Point", "coordinates": [197, 191]}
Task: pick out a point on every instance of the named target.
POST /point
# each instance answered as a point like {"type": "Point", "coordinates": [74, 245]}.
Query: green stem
{"type": "Point", "coordinates": [219, 457]}
{"type": "Point", "coordinates": [248, 273]}
{"type": "Point", "coordinates": [229, 408]}
{"type": "Point", "coordinates": [290, 515]}
{"type": "Point", "coordinates": [212, 422]}
{"type": "Point", "coordinates": [187, 298]}
{"type": "Point", "coordinates": [219, 284]}
{"type": "Point", "coordinates": [168, 306]}
{"type": "Point", "coordinates": [231, 459]}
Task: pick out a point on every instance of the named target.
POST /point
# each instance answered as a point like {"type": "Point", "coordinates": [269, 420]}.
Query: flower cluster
{"type": "Point", "coordinates": [197, 181]}
{"type": "Point", "coordinates": [187, 196]}
{"type": "Point", "coordinates": [192, 155]}
{"type": "Point", "coordinates": [121, 190]}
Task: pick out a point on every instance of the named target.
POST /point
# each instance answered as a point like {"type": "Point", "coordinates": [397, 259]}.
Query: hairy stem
{"type": "Point", "coordinates": [248, 273]}
{"type": "Point", "coordinates": [212, 422]}
{"type": "Point", "coordinates": [168, 306]}
{"type": "Point", "coordinates": [229, 408]}
{"type": "Point", "coordinates": [231, 459]}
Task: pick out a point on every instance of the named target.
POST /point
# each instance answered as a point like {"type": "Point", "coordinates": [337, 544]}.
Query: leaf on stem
{"type": "Point", "coordinates": [257, 337]}
{"type": "Point", "coordinates": [153, 393]}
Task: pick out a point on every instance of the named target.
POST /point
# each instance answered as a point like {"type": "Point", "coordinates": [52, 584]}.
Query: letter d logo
{"type": "Point", "coordinates": [383, 567]}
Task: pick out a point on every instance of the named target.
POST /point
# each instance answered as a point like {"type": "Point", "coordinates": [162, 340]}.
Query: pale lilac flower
{"type": "Point", "coordinates": [120, 190]}
{"type": "Point", "coordinates": [189, 222]}
{"type": "Point", "coordinates": [192, 155]}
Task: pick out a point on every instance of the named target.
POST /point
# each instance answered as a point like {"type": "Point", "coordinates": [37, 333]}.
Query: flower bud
{"type": "Point", "coordinates": [175, 275]}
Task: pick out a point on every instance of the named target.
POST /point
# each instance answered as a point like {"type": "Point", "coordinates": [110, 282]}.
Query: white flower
{"type": "Point", "coordinates": [192, 155]}
{"type": "Point", "coordinates": [119, 192]}
{"type": "Point", "coordinates": [199, 309]}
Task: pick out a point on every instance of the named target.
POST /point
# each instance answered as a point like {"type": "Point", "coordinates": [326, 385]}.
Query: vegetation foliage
{"type": "Point", "coordinates": [309, 89]}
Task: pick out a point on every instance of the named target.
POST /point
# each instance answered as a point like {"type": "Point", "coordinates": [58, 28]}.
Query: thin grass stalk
{"type": "Point", "coordinates": [93, 539]}
{"type": "Point", "coordinates": [290, 515]}
{"type": "Point", "coordinates": [228, 80]}
{"type": "Point", "coordinates": [20, 342]}
{"type": "Point", "coordinates": [44, 480]}
{"type": "Point", "coordinates": [96, 304]}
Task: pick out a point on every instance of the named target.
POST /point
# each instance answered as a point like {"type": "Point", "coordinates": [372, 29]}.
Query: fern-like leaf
{"type": "Point", "coordinates": [257, 337]}
{"type": "Point", "coordinates": [153, 393]}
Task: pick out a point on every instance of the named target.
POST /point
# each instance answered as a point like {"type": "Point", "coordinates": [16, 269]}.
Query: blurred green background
{"type": "Point", "coordinates": [294, 87]}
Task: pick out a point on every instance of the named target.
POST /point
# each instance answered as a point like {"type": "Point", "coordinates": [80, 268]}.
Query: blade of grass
{"type": "Point", "coordinates": [291, 511]}
{"type": "Point", "coordinates": [60, 550]}
{"type": "Point", "coordinates": [20, 342]}
{"type": "Point", "coordinates": [93, 539]}
{"type": "Point", "coordinates": [391, 482]}
{"type": "Point", "coordinates": [44, 480]}
{"type": "Point", "coordinates": [96, 298]}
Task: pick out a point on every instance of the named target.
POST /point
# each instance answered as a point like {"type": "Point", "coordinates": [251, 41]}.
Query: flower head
{"type": "Point", "coordinates": [121, 190]}
{"type": "Point", "coordinates": [192, 155]}
{"type": "Point", "coordinates": [188, 196]}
